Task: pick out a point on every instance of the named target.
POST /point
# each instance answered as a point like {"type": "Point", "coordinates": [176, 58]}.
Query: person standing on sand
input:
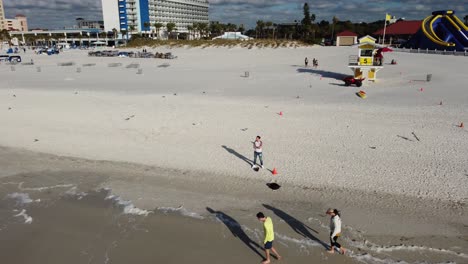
{"type": "Point", "coordinates": [269, 237]}
{"type": "Point", "coordinates": [258, 152]}
{"type": "Point", "coordinates": [335, 230]}
{"type": "Point", "coordinates": [306, 62]}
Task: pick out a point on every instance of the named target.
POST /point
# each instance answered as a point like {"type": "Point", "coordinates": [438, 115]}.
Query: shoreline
{"type": "Point", "coordinates": [389, 227]}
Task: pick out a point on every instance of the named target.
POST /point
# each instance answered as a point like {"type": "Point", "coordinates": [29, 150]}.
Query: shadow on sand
{"type": "Point", "coordinates": [236, 230]}
{"type": "Point", "coordinates": [324, 74]}
{"type": "Point", "coordinates": [299, 227]}
{"type": "Point", "coordinates": [237, 154]}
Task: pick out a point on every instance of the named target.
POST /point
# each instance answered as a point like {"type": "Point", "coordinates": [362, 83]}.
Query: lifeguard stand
{"type": "Point", "coordinates": [364, 64]}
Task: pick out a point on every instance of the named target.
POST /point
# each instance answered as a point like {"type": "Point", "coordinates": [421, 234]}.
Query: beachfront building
{"type": "Point", "coordinates": [2, 16]}
{"type": "Point", "coordinates": [142, 15]}
{"type": "Point", "coordinates": [19, 23]}
{"type": "Point", "coordinates": [82, 23]}
{"type": "Point", "coordinates": [346, 38]}
{"type": "Point", "coordinates": [399, 32]}
{"type": "Point", "coordinates": [64, 37]}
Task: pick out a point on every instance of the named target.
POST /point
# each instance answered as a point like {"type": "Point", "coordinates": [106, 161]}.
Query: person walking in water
{"type": "Point", "coordinates": [269, 237]}
{"type": "Point", "coordinates": [306, 61]}
{"type": "Point", "coordinates": [257, 145]}
{"type": "Point", "coordinates": [335, 230]}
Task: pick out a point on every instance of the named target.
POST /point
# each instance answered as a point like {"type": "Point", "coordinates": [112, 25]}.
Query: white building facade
{"type": "Point", "coordinates": [19, 23]}
{"type": "Point", "coordinates": [141, 15]}
{"type": "Point", "coordinates": [2, 16]}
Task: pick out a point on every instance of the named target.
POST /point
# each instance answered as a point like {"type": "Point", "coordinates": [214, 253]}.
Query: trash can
{"type": "Point", "coordinates": [429, 77]}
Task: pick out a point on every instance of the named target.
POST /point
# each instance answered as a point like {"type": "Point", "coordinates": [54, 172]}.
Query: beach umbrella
{"type": "Point", "coordinates": [385, 49]}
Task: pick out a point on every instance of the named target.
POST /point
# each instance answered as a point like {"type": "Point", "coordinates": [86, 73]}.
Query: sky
{"type": "Point", "coordinates": [56, 14]}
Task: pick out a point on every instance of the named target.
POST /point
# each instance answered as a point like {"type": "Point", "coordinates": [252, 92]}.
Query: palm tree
{"type": "Point", "coordinates": [190, 29]}
{"type": "Point", "coordinates": [259, 28]}
{"type": "Point", "coordinates": [146, 26]}
{"type": "Point", "coordinates": [124, 33]}
{"type": "Point", "coordinates": [170, 27]}
{"type": "Point", "coordinates": [241, 28]}
{"type": "Point", "coordinates": [158, 27]}
{"type": "Point", "coordinates": [268, 26]}
{"type": "Point", "coordinates": [203, 27]}
{"type": "Point", "coordinates": [5, 35]}
{"type": "Point", "coordinates": [114, 32]}
{"type": "Point", "coordinates": [335, 20]}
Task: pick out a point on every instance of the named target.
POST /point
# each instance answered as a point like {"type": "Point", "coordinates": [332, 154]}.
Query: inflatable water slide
{"type": "Point", "coordinates": [443, 30]}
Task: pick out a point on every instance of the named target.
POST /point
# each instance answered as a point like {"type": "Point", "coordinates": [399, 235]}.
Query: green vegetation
{"type": "Point", "coordinates": [201, 43]}
{"type": "Point", "coordinates": [266, 33]}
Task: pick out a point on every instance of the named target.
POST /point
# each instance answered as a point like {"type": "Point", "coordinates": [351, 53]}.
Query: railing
{"type": "Point", "coordinates": [428, 51]}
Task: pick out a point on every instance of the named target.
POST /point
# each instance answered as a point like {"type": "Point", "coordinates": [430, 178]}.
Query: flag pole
{"type": "Point", "coordinates": [384, 29]}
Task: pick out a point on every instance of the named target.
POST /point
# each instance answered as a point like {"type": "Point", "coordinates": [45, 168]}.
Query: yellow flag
{"type": "Point", "coordinates": [388, 17]}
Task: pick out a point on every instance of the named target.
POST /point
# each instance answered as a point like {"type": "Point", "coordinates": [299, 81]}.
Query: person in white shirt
{"type": "Point", "coordinates": [257, 145]}
{"type": "Point", "coordinates": [335, 230]}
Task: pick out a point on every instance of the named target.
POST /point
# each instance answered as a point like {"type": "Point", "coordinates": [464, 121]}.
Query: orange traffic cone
{"type": "Point", "coordinates": [461, 125]}
{"type": "Point", "coordinates": [274, 172]}
{"type": "Point", "coordinates": [281, 113]}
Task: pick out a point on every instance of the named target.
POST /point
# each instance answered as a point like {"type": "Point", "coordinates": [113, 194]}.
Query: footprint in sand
{"type": "Point", "coordinates": [36, 140]}
{"type": "Point", "coordinates": [244, 129]}
{"type": "Point", "coordinates": [130, 117]}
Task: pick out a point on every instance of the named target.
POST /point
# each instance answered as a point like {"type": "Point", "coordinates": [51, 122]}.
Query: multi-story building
{"type": "Point", "coordinates": [19, 23]}
{"type": "Point", "coordinates": [82, 23]}
{"type": "Point", "coordinates": [2, 16]}
{"type": "Point", "coordinates": [141, 15]}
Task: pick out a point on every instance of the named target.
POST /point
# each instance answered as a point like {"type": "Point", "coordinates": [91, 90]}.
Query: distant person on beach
{"type": "Point", "coordinates": [258, 152]}
{"type": "Point", "coordinates": [269, 237]}
{"type": "Point", "coordinates": [335, 230]}
{"type": "Point", "coordinates": [306, 62]}
{"type": "Point", "coordinates": [315, 63]}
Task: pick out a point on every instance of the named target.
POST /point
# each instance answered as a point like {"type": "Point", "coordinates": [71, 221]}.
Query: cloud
{"type": "Point", "coordinates": [53, 13]}
{"type": "Point", "coordinates": [62, 13]}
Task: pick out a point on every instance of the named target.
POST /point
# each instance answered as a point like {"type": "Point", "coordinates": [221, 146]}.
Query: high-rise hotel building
{"type": "Point", "coordinates": [141, 15]}
{"type": "Point", "coordinates": [2, 16]}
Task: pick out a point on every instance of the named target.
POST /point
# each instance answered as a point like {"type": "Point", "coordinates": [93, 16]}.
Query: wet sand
{"type": "Point", "coordinates": [85, 211]}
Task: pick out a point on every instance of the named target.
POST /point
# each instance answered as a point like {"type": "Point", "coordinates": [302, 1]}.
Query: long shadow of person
{"type": "Point", "coordinates": [296, 225]}
{"type": "Point", "coordinates": [237, 154]}
{"type": "Point", "coordinates": [236, 230]}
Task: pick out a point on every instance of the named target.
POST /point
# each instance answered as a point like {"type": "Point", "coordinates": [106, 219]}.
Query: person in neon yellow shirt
{"type": "Point", "coordinates": [269, 237]}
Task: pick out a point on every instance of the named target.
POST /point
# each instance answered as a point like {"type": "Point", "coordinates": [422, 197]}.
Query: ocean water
{"type": "Point", "coordinates": [62, 224]}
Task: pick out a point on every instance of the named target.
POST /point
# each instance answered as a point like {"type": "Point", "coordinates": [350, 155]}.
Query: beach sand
{"type": "Point", "coordinates": [176, 140]}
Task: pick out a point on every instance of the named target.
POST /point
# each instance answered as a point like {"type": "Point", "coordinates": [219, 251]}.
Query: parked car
{"type": "Point", "coordinates": [14, 59]}
{"type": "Point", "coordinates": [123, 54]}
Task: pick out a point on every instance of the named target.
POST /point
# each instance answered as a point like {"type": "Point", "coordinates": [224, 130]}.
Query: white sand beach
{"type": "Point", "coordinates": [397, 151]}
{"type": "Point", "coordinates": [326, 137]}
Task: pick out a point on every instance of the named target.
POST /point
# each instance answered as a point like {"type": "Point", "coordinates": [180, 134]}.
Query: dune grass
{"type": "Point", "coordinates": [249, 44]}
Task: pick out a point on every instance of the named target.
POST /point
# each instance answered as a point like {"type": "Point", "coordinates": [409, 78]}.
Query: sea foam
{"type": "Point", "coordinates": [21, 198]}
{"type": "Point", "coordinates": [27, 219]}
{"type": "Point", "coordinates": [128, 206]}
{"type": "Point", "coordinates": [180, 210]}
